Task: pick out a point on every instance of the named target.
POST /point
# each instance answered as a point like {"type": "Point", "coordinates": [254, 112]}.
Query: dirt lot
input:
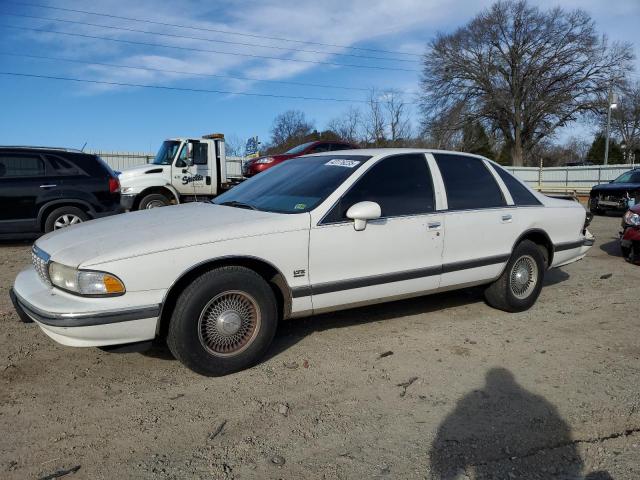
{"type": "Point", "coordinates": [467, 390]}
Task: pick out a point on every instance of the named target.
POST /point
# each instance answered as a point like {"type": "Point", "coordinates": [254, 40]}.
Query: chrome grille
{"type": "Point", "coordinates": [40, 261]}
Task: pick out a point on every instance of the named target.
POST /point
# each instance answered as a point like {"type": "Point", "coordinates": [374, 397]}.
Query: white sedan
{"type": "Point", "coordinates": [314, 234]}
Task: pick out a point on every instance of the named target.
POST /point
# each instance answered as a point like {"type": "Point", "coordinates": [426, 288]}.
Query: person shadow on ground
{"type": "Point", "coordinates": [503, 431]}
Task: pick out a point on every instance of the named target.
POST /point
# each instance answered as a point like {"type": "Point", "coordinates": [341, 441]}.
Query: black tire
{"type": "Point", "coordinates": [153, 200]}
{"type": "Point", "coordinates": [204, 299]}
{"type": "Point", "coordinates": [57, 216]}
{"type": "Point", "coordinates": [501, 293]}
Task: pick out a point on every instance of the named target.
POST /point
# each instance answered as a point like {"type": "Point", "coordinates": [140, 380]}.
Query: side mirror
{"type": "Point", "coordinates": [189, 159]}
{"type": "Point", "coordinates": [363, 211]}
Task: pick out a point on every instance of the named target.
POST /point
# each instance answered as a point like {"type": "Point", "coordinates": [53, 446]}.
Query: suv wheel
{"type": "Point", "coordinates": [224, 321]}
{"type": "Point", "coordinates": [518, 287]}
{"type": "Point", "coordinates": [153, 200]}
{"type": "Point", "coordinates": [64, 217]}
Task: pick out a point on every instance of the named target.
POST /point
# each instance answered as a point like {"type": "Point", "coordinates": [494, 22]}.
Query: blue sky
{"type": "Point", "coordinates": [52, 112]}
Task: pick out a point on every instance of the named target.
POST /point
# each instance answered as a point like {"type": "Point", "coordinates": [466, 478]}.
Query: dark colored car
{"type": "Point", "coordinates": [43, 189]}
{"type": "Point", "coordinates": [616, 194]}
{"type": "Point", "coordinates": [630, 235]}
{"type": "Point", "coordinates": [260, 164]}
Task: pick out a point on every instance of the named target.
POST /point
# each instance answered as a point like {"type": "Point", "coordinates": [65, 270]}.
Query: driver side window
{"type": "Point", "coordinates": [401, 185]}
{"type": "Point", "coordinates": [181, 162]}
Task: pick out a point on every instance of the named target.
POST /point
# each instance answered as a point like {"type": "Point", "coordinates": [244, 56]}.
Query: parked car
{"type": "Point", "coordinates": [260, 164]}
{"type": "Point", "coordinates": [630, 235]}
{"type": "Point", "coordinates": [44, 189]}
{"type": "Point", "coordinates": [616, 194]}
{"type": "Point", "coordinates": [315, 234]}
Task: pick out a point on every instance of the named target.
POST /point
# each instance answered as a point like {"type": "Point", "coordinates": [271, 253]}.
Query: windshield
{"type": "Point", "coordinates": [294, 186]}
{"type": "Point", "coordinates": [299, 148]}
{"type": "Point", "coordinates": [167, 152]}
{"type": "Point", "coordinates": [632, 176]}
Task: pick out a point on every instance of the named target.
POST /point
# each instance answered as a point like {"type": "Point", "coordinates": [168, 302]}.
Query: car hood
{"type": "Point", "coordinates": [605, 187]}
{"type": "Point", "coordinates": [159, 229]}
{"type": "Point", "coordinates": [142, 170]}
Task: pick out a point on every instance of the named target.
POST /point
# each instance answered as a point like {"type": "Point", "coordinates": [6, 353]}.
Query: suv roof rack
{"type": "Point", "coordinates": [64, 149]}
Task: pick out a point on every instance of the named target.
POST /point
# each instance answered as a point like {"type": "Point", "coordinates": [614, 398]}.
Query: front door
{"type": "Point", "coordinates": [195, 179]}
{"type": "Point", "coordinates": [396, 256]}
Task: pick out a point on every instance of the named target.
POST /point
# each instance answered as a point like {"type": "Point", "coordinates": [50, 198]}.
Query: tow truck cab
{"type": "Point", "coordinates": [183, 170]}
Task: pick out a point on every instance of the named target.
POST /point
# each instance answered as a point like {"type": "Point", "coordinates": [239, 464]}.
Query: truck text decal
{"type": "Point", "coordinates": [186, 180]}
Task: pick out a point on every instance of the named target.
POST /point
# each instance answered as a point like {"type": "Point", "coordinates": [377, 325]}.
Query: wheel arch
{"type": "Point", "coordinates": [50, 206]}
{"type": "Point", "coordinates": [540, 238]}
{"type": "Point", "coordinates": [165, 190]}
{"type": "Point", "coordinates": [270, 273]}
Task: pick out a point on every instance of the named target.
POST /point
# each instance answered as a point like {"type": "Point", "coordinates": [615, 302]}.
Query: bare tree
{"type": "Point", "coordinates": [374, 121]}
{"type": "Point", "coordinates": [625, 119]}
{"type": "Point", "coordinates": [397, 117]}
{"type": "Point", "coordinates": [234, 145]}
{"type": "Point", "coordinates": [523, 70]}
{"type": "Point", "coordinates": [348, 126]}
{"type": "Point", "coordinates": [288, 128]}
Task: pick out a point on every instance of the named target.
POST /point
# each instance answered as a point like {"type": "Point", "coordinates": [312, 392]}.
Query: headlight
{"type": "Point", "coordinates": [631, 218]}
{"type": "Point", "coordinates": [84, 282]}
{"type": "Point", "coordinates": [265, 160]}
{"type": "Point", "coordinates": [126, 189]}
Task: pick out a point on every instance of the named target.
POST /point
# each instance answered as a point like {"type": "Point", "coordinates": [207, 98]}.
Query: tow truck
{"type": "Point", "coordinates": [183, 170]}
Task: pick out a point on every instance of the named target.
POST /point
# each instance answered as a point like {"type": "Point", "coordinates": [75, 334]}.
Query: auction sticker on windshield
{"type": "Point", "coordinates": [342, 162]}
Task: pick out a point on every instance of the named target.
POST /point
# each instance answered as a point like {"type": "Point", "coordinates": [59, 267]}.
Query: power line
{"type": "Point", "coordinates": [181, 72]}
{"type": "Point", "coordinates": [229, 42]}
{"type": "Point", "coordinates": [131, 42]}
{"type": "Point", "coordinates": [192, 27]}
{"type": "Point", "coordinates": [182, 89]}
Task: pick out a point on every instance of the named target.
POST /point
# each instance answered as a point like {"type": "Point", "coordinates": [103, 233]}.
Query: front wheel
{"type": "Point", "coordinates": [153, 200]}
{"type": "Point", "coordinates": [518, 288]}
{"type": "Point", "coordinates": [224, 321]}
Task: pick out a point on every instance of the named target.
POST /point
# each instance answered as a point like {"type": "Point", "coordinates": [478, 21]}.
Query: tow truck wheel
{"type": "Point", "coordinates": [153, 200]}
{"type": "Point", "coordinates": [224, 321]}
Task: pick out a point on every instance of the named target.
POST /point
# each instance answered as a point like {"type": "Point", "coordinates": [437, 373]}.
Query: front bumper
{"type": "Point", "coordinates": [86, 322]}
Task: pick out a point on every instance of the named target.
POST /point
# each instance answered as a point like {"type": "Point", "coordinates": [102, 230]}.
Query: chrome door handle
{"type": "Point", "coordinates": [48, 186]}
{"type": "Point", "coordinates": [507, 218]}
{"type": "Point", "coordinates": [434, 225]}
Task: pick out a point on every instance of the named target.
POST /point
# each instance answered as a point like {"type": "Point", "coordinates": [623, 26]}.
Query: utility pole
{"type": "Point", "coordinates": [610, 106]}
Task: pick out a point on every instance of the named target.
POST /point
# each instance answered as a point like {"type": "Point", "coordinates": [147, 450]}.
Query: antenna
{"type": "Point", "coordinates": [82, 149]}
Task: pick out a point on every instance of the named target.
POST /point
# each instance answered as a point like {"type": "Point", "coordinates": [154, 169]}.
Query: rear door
{"type": "Point", "coordinates": [396, 255]}
{"type": "Point", "coordinates": [24, 186]}
{"type": "Point", "coordinates": [480, 221]}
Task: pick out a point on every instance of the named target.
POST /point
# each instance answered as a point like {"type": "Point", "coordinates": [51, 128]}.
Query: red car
{"type": "Point", "coordinates": [260, 164]}
{"type": "Point", "coordinates": [630, 237]}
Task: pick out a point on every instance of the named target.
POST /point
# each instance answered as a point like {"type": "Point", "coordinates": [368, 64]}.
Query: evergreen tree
{"type": "Point", "coordinates": [596, 152]}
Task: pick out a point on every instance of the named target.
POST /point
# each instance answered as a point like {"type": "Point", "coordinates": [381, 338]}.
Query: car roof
{"type": "Point", "coordinates": [42, 149]}
{"type": "Point", "coordinates": [377, 152]}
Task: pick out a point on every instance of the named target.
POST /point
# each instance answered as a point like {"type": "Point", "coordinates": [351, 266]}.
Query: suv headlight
{"type": "Point", "coordinates": [265, 160]}
{"type": "Point", "coordinates": [85, 282]}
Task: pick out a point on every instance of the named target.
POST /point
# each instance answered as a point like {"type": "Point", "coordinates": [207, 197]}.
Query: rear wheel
{"type": "Point", "coordinates": [64, 217]}
{"type": "Point", "coordinates": [519, 286]}
{"type": "Point", "coordinates": [153, 200]}
{"type": "Point", "coordinates": [224, 321]}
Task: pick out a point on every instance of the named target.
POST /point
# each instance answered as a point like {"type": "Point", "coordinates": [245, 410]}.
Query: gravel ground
{"type": "Point", "coordinates": [438, 387]}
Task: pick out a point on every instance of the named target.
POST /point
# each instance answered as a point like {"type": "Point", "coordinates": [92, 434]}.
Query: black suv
{"type": "Point", "coordinates": [616, 194]}
{"type": "Point", "coordinates": [43, 189]}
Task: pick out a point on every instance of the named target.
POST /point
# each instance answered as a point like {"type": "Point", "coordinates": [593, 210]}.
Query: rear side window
{"type": "Point", "coordinates": [63, 167]}
{"type": "Point", "coordinates": [520, 194]}
{"type": "Point", "coordinates": [468, 182]}
{"type": "Point", "coordinates": [401, 185]}
{"type": "Point", "coordinates": [18, 165]}
{"type": "Point", "coordinates": [200, 154]}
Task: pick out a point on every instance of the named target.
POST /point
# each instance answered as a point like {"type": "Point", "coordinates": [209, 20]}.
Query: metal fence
{"type": "Point", "coordinates": [579, 179]}
{"type": "Point", "coordinates": [122, 160]}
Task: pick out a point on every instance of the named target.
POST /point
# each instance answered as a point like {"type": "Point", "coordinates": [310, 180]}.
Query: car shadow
{"type": "Point", "coordinates": [612, 248]}
{"type": "Point", "coordinates": [503, 431]}
{"type": "Point", "coordinates": [555, 276]}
